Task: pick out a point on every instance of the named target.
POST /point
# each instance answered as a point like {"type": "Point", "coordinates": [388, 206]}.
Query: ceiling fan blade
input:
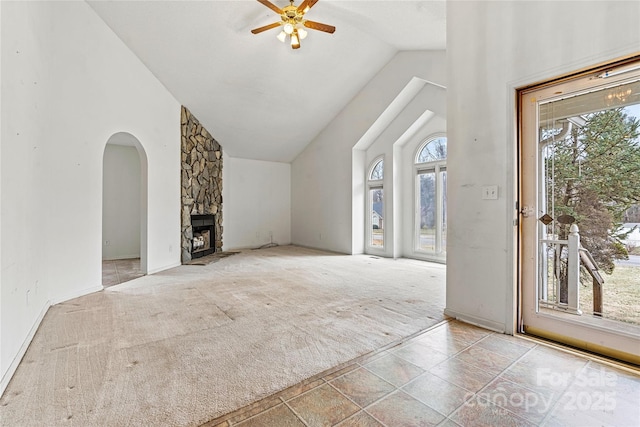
{"type": "Point", "coordinates": [306, 5]}
{"type": "Point", "coordinates": [319, 26]}
{"type": "Point", "coordinates": [266, 27]}
{"type": "Point", "coordinates": [272, 6]}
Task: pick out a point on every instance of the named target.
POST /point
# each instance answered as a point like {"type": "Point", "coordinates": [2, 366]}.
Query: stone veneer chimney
{"type": "Point", "coordinates": [201, 180]}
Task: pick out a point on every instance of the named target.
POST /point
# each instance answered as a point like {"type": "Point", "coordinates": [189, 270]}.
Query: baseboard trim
{"type": "Point", "coordinates": [477, 321]}
{"type": "Point", "coordinates": [76, 294]}
{"type": "Point", "coordinates": [6, 378]}
{"type": "Point", "coordinates": [321, 249]}
{"type": "Point", "coordinates": [166, 267]}
{"type": "Point", "coordinates": [123, 257]}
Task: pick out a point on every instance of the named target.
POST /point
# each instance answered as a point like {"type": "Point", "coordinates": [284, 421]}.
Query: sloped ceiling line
{"type": "Point", "coordinates": [416, 88]}
{"type": "Point", "coordinates": [260, 99]}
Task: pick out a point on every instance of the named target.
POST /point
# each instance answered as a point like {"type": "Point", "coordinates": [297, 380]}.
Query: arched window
{"type": "Point", "coordinates": [377, 172]}
{"type": "Point", "coordinates": [432, 150]}
{"type": "Point", "coordinates": [375, 205]}
{"type": "Point", "coordinates": [431, 197]}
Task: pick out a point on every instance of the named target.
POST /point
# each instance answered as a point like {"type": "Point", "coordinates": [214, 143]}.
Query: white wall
{"type": "Point", "coordinates": [490, 53]}
{"type": "Point", "coordinates": [256, 204]}
{"type": "Point", "coordinates": [25, 86]}
{"type": "Point", "coordinates": [322, 175]}
{"type": "Point", "coordinates": [121, 202]}
{"type": "Point", "coordinates": [1, 118]}
{"type": "Point", "coordinates": [68, 84]}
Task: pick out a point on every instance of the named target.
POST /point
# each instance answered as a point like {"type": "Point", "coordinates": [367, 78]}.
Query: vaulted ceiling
{"type": "Point", "coordinates": [258, 97]}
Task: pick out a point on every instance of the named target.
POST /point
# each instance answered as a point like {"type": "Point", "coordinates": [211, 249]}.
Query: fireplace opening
{"type": "Point", "coordinates": [203, 242]}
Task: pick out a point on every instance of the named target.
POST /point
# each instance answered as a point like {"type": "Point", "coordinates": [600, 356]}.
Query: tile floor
{"type": "Point", "coordinates": [120, 271]}
{"type": "Point", "coordinates": [456, 375]}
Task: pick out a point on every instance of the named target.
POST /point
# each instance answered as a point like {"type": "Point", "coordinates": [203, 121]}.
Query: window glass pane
{"type": "Point", "coordinates": [443, 216]}
{"type": "Point", "coordinates": [590, 153]}
{"type": "Point", "coordinates": [427, 211]}
{"type": "Point", "coordinates": [378, 171]}
{"type": "Point", "coordinates": [435, 149]}
{"type": "Point", "coordinates": [376, 210]}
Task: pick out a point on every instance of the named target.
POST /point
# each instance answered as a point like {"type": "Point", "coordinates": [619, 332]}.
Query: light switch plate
{"type": "Point", "coordinates": [490, 192]}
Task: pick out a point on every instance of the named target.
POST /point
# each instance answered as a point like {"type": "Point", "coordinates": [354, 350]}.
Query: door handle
{"type": "Point", "coordinates": [527, 211]}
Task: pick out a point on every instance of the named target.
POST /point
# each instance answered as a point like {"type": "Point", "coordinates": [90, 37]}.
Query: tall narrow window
{"type": "Point", "coordinates": [431, 197]}
{"type": "Point", "coordinates": [375, 209]}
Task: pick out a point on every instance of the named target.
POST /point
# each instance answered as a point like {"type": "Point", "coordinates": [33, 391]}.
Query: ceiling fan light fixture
{"type": "Point", "coordinates": [292, 22]}
{"type": "Point", "coordinates": [295, 40]}
{"type": "Point", "coordinates": [288, 28]}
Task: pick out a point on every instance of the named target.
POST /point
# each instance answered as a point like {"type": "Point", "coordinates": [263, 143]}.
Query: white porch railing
{"type": "Point", "coordinates": [560, 274]}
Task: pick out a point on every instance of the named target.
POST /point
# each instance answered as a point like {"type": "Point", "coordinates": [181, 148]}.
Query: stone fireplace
{"type": "Point", "coordinates": [201, 181]}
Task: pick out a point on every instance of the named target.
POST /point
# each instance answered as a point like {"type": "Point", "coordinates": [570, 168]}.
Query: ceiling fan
{"type": "Point", "coordinates": [292, 22]}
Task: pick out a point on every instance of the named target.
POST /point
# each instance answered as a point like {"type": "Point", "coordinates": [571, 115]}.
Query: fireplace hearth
{"type": "Point", "coordinates": [203, 241]}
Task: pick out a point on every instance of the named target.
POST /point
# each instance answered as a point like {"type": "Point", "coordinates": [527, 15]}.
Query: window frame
{"type": "Point", "coordinates": [374, 184]}
{"type": "Point", "coordinates": [436, 167]}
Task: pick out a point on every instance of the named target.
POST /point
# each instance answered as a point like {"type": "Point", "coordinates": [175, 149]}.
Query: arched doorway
{"type": "Point", "coordinates": [124, 209]}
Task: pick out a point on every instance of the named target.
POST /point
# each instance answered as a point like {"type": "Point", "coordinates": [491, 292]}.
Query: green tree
{"type": "Point", "coordinates": [427, 200]}
{"type": "Point", "coordinates": [593, 174]}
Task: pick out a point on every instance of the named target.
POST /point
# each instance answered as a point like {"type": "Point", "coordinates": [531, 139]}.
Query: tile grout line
{"type": "Point", "coordinates": [425, 403]}
{"type": "Point", "coordinates": [304, 392]}
{"type": "Point", "coordinates": [360, 364]}
{"type": "Point", "coordinates": [449, 357]}
{"type": "Point", "coordinates": [498, 376]}
{"type": "Point", "coordinates": [476, 394]}
{"type": "Point", "coordinates": [282, 401]}
{"type": "Point", "coordinates": [379, 376]}
{"type": "Point", "coordinates": [360, 407]}
{"type": "Point", "coordinates": [474, 367]}
{"type": "Point", "coordinates": [567, 387]}
{"type": "Point", "coordinates": [364, 408]}
{"type": "Point", "coordinates": [425, 370]}
{"type": "Point", "coordinates": [374, 417]}
{"type": "Point", "coordinates": [295, 413]}
{"type": "Point", "coordinates": [240, 411]}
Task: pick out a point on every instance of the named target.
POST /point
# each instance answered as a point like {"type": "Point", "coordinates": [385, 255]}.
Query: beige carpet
{"type": "Point", "coordinates": [190, 344]}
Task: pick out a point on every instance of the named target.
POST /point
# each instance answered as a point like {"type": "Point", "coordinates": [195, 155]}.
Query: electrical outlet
{"type": "Point", "coordinates": [490, 192]}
